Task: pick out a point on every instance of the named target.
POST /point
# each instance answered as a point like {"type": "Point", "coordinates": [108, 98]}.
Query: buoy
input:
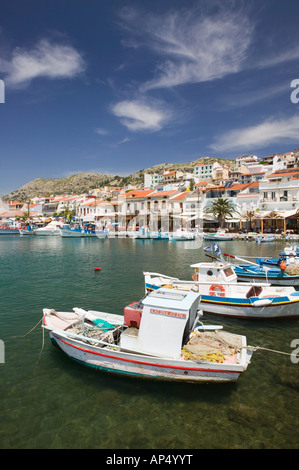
{"type": "Point", "coordinates": [283, 266]}
{"type": "Point", "coordinates": [97, 269]}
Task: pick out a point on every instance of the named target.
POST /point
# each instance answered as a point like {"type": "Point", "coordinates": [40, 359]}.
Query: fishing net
{"type": "Point", "coordinates": [215, 346]}
{"type": "Point", "coordinates": [292, 269]}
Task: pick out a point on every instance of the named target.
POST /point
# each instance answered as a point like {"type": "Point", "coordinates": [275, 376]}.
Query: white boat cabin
{"type": "Point", "coordinates": [214, 272]}
{"type": "Point", "coordinates": [162, 324]}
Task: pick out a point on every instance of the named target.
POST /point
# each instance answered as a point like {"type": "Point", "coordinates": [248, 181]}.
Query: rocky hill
{"type": "Point", "coordinates": [84, 182]}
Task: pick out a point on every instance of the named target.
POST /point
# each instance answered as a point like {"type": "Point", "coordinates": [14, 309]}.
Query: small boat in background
{"type": "Point", "coordinates": [159, 235]}
{"type": "Point", "coordinates": [51, 229]}
{"type": "Point", "coordinates": [9, 228]}
{"type": "Point", "coordinates": [220, 235]}
{"type": "Point", "coordinates": [24, 231]}
{"type": "Point", "coordinates": [157, 338]}
{"type": "Point", "coordinates": [181, 235]}
{"type": "Point", "coordinates": [82, 231]}
{"type": "Point", "coordinates": [142, 233]}
{"type": "Point", "coordinates": [264, 238]}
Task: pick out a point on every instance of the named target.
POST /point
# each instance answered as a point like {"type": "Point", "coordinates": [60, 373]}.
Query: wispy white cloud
{"type": "Point", "coordinates": [125, 140]}
{"type": "Point", "coordinates": [268, 132]}
{"type": "Point", "coordinates": [194, 47]}
{"type": "Point", "coordinates": [292, 53]}
{"type": "Point", "coordinates": [248, 96]}
{"type": "Point", "coordinates": [46, 59]}
{"type": "Point", "coordinates": [138, 115]}
{"type": "Point", "coordinates": [101, 131]}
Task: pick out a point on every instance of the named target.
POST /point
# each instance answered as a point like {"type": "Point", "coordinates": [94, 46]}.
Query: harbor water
{"type": "Point", "coordinates": [51, 402]}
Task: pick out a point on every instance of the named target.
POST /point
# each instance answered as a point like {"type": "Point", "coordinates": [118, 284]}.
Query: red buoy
{"type": "Point", "coordinates": [97, 269]}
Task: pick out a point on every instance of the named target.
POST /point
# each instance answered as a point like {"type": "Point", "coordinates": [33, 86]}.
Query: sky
{"type": "Point", "coordinates": [116, 86]}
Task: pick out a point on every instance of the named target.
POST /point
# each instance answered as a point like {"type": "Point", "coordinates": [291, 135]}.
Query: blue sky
{"type": "Point", "coordinates": [115, 86]}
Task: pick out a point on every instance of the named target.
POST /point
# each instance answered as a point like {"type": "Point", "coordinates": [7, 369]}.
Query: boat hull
{"type": "Point", "coordinates": [217, 238]}
{"type": "Point", "coordinates": [69, 233]}
{"type": "Point", "coordinates": [25, 232]}
{"type": "Point", "coordinates": [274, 280]}
{"type": "Point", "coordinates": [9, 231]}
{"type": "Point", "coordinates": [46, 233]}
{"type": "Point", "coordinates": [148, 367]}
{"type": "Point", "coordinates": [273, 275]}
{"type": "Point", "coordinates": [244, 309]}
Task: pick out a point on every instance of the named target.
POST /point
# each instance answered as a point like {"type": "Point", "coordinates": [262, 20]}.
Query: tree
{"type": "Point", "coordinates": [249, 216]}
{"type": "Point", "coordinates": [221, 208]}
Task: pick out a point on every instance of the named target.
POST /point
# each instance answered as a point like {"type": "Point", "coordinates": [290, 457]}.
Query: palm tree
{"type": "Point", "coordinates": [221, 208]}
{"type": "Point", "coordinates": [249, 216]}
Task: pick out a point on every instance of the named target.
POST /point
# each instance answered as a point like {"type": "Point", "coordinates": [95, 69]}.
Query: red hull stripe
{"type": "Point", "coordinates": [149, 363]}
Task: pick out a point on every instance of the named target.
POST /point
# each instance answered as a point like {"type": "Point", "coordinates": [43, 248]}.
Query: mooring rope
{"type": "Point", "coordinates": [23, 336]}
{"type": "Point", "coordinates": [256, 348]}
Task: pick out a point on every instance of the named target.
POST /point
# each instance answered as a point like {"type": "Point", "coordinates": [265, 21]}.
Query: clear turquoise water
{"type": "Point", "coordinates": [48, 401]}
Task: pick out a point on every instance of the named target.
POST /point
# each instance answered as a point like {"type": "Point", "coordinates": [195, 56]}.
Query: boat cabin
{"type": "Point", "coordinates": [161, 323]}
{"type": "Point", "coordinates": [214, 272]}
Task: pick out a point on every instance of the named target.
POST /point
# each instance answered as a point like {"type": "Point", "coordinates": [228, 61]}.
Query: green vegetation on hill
{"type": "Point", "coordinates": [85, 182]}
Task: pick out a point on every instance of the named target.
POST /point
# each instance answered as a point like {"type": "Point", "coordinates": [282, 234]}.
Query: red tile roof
{"type": "Point", "coordinates": [162, 193]}
{"type": "Point", "coordinates": [138, 193]}
{"type": "Point", "coordinates": [179, 196]}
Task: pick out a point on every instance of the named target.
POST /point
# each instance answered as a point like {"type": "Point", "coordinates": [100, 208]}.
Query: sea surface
{"type": "Point", "coordinates": [50, 402]}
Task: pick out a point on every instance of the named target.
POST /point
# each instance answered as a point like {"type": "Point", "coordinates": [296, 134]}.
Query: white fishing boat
{"type": "Point", "coordinates": [222, 294]}
{"type": "Point", "coordinates": [159, 235]}
{"type": "Point", "coordinates": [26, 231]}
{"type": "Point", "coordinates": [220, 235]}
{"type": "Point", "coordinates": [51, 229]}
{"type": "Point", "coordinates": [142, 233]}
{"type": "Point", "coordinates": [182, 235]}
{"type": "Point", "coordinates": [264, 238]}
{"type": "Point", "coordinates": [157, 338]}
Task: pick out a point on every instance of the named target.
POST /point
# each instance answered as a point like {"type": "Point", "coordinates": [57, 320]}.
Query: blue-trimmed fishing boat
{"type": "Point", "coordinates": [222, 294]}
{"type": "Point", "coordinates": [80, 231]}
{"type": "Point", "coordinates": [265, 273]}
{"type": "Point", "coordinates": [157, 338]}
{"type": "Point", "coordinates": [277, 273]}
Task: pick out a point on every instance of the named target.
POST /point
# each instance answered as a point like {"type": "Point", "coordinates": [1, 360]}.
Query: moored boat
{"type": "Point", "coordinates": [9, 228]}
{"type": "Point", "coordinates": [182, 235]}
{"type": "Point", "coordinates": [157, 338]}
{"type": "Point", "coordinates": [82, 231]}
{"type": "Point", "coordinates": [264, 238]}
{"type": "Point", "coordinates": [222, 294]}
{"type": "Point", "coordinates": [220, 235]}
{"type": "Point", "coordinates": [279, 274]}
{"type": "Point", "coordinates": [51, 229]}
{"type": "Point", "coordinates": [24, 231]}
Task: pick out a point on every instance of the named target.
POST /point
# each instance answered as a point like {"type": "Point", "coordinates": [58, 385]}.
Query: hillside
{"type": "Point", "coordinates": [84, 182]}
